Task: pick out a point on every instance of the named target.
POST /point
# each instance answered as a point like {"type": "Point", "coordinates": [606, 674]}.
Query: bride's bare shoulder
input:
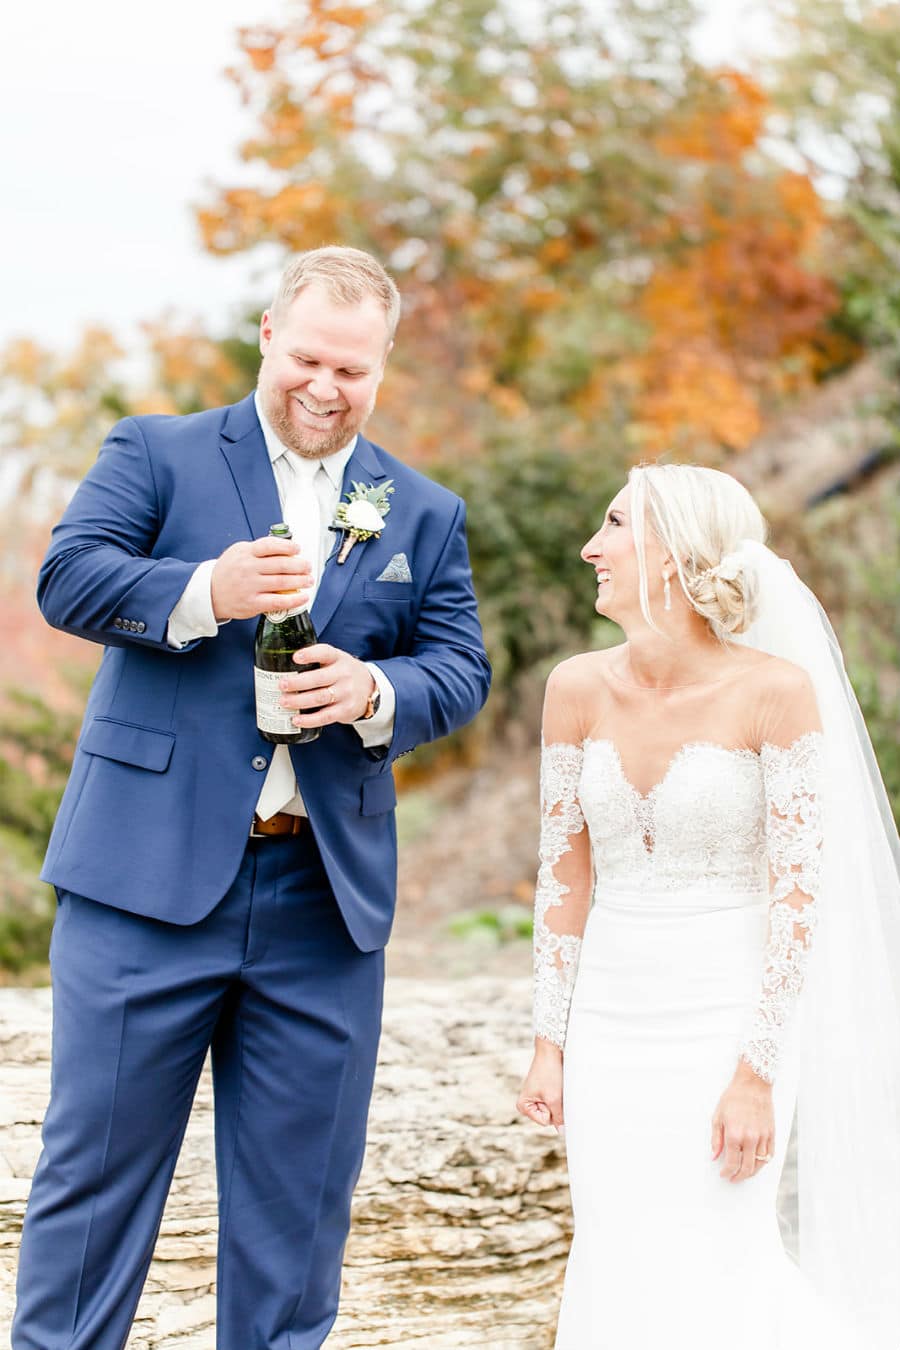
{"type": "Point", "coordinates": [574, 692]}
{"type": "Point", "coordinates": [578, 674]}
{"type": "Point", "coordinates": [782, 702]}
{"type": "Point", "coordinates": [776, 674]}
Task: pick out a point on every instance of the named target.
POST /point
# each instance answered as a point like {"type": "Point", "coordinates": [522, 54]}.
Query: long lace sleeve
{"type": "Point", "coordinates": [792, 776]}
{"type": "Point", "coordinates": [563, 890]}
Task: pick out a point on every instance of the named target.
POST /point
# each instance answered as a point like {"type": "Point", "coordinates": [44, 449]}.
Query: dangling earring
{"type": "Point", "coordinates": [667, 593]}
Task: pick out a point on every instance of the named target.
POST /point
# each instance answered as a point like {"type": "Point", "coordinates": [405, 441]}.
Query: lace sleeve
{"type": "Point", "coordinates": [557, 937]}
{"type": "Point", "coordinates": [792, 777]}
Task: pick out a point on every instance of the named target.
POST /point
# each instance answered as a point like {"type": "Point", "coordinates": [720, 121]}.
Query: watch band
{"type": "Point", "coordinates": [373, 705]}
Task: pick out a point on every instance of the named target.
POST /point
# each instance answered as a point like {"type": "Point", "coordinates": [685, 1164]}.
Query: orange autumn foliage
{"type": "Point", "coordinates": [676, 282]}
{"type": "Point", "coordinates": [739, 318]}
{"type": "Point", "coordinates": [725, 120]}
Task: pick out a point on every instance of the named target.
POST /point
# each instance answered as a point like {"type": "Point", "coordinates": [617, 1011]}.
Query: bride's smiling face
{"type": "Point", "coordinates": [611, 553]}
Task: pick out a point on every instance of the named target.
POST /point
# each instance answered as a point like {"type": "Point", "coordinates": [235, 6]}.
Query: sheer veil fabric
{"type": "Point", "coordinates": [848, 1103]}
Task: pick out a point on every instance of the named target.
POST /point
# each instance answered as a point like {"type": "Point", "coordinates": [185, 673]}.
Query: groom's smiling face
{"type": "Point", "coordinates": [322, 364]}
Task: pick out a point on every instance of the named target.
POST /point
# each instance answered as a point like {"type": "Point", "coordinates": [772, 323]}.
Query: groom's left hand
{"type": "Point", "coordinates": [339, 690]}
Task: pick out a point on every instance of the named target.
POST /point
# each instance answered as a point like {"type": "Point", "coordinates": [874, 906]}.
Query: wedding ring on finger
{"type": "Point", "coordinates": [332, 698]}
{"type": "Point", "coordinates": [763, 1157]}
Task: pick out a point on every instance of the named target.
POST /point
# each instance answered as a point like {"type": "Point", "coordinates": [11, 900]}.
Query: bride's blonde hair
{"type": "Point", "coordinates": [700, 516]}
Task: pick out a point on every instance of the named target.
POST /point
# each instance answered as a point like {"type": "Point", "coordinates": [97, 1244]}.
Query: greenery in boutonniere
{"type": "Point", "coordinates": [362, 515]}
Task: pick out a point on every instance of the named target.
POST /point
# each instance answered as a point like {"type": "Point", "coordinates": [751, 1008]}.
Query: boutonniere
{"type": "Point", "coordinates": [362, 515]}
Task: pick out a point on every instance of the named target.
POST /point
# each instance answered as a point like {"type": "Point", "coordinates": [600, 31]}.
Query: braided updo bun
{"type": "Point", "coordinates": [701, 516]}
{"type": "Point", "coordinates": [725, 595]}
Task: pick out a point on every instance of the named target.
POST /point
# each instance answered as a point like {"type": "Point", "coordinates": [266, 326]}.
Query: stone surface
{"type": "Point", "coordinates": [461, 1219]}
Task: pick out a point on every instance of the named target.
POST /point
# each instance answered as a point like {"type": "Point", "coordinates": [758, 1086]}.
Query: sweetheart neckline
{"type": "Point", "coordinates": [740, 750]}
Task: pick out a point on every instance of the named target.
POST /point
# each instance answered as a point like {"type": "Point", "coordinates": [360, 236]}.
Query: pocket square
{"type": "Point", "coordinates": [396, 570]}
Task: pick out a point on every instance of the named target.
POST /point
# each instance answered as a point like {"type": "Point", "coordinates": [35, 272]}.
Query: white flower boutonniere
{"type": "Point", "coordinates": [362, 515]}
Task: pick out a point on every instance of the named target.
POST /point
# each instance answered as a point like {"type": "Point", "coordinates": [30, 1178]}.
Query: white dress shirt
{"type": "Point", "coordinates": [193, 615]}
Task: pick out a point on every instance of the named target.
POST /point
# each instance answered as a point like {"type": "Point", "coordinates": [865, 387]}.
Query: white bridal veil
{"type": "Point", "coordinates": [848, 1106]}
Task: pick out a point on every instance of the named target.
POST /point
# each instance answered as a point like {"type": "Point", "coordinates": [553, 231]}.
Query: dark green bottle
{"type": "Point", "coordinates": [278, 636]}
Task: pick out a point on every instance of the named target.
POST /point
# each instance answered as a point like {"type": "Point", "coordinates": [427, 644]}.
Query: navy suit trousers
{"type": "Point", "coordinates": [271, 982]}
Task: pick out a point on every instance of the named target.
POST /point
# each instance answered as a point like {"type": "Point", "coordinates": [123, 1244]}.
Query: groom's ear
{"type": "Point", "coordinates": [266, 328]}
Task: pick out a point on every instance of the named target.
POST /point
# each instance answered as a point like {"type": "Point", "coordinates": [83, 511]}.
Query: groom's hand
{"type": "Point", "coordinates": [254, 578]}
{"type": "Point", "coordinates": [339, 690]}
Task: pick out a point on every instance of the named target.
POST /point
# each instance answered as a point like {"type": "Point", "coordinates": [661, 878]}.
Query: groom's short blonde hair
{"type": "Point", "coordinates": [349, 275]}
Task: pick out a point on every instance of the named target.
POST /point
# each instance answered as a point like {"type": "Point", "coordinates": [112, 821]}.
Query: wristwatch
{"type": "Point", "coordinates": [373, 705]}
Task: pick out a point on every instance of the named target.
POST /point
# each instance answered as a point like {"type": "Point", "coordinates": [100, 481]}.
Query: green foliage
{"type": "Point", "coordinates": [882, 713]}
{"type": "Point", "coordinates": [37, 743]}
{"type": "Point", "coordinates": [532, 505]}
{"type": "Point", "coordinates": [840, 85]}
{"type": "Point", "coordinates": [872, 646]}
{"type": "Point", "coordinates": [27, 906]}
{"type": "Point", "coordinates": [493, 926]}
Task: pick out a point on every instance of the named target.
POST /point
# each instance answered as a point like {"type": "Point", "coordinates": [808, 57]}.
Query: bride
{"type": "Point", "coordinates": [717, 946]}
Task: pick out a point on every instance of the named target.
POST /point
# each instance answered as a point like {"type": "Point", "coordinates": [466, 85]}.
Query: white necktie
{"type": "Point", "coordinates": [301, 512]}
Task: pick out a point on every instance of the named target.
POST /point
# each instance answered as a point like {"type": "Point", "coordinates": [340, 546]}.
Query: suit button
{"type": "Point", "coordinates": [141, 626]}
{"type": "Point", "coordinates": [118, 623]}
{"type": "Point", "coordinates": [259, 762]}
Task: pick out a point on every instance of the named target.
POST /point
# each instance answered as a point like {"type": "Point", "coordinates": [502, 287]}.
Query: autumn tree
{"type": "Point", "coordinates": [581, 215]}
{"type": "Point", "coordinates": [837, 84]}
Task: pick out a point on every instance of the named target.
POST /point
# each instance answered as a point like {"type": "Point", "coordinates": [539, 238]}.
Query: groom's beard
{"type": "Point", "coordinates": [310, 442]}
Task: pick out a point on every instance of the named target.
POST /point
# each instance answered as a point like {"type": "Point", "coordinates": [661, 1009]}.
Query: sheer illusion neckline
{"type": "Point", "coordinates": [744, 752]}
{"type": "Point", "coordinates": [743, 669]}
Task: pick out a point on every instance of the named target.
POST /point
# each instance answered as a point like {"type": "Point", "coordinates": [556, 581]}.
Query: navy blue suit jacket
{"type": "Point", "coordinates": [160, 800]}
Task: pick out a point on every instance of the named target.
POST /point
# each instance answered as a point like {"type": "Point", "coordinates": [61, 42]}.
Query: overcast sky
{"type": "Point", "coordinates": [114, 119]}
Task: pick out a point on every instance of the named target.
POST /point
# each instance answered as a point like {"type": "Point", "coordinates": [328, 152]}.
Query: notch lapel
{"type": "Point", "coordinates": [362, 466]}
{"type": "Point", "coordinates": [244, 447]}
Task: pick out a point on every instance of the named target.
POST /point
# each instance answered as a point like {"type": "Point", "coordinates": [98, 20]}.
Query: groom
{"type": "Point", "coordinates": [217, 892]}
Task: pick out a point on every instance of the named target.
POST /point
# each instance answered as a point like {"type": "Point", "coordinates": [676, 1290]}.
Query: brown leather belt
{"type": "Point", "coordinates": [282, 823]}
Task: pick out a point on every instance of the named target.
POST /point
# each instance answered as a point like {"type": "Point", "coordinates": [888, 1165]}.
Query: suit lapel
{"type": "Point", "coordinates": [363, 466]}
{"type": "Point", "coordinates": [244, 447]}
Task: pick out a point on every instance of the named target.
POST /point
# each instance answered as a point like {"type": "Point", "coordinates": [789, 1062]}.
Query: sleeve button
{"type": "Point", "coordinates": [118, 623]}
{"type": "Point", "coordinates": [141, 626]}
{"type": "Point", "coordinates": [259, 763]}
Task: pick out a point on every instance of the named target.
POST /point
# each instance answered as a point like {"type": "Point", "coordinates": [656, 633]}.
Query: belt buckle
{"type": "Point", "coordinates": [297, 825]}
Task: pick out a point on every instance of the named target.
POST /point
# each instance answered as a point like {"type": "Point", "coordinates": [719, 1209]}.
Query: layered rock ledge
{"type": "Point", "coordinates": [461, 1219]}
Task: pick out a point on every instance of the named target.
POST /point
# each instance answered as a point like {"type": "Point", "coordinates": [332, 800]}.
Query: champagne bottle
{"type": "Point", "coordinates": [278, 635]}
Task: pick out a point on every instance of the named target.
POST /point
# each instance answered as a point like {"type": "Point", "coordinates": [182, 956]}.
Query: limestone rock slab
{"type": "Point", "coordinates": [461, 1219]}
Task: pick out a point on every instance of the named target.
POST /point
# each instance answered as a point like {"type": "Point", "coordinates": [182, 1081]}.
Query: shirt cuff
{"type": "Point", "coordinates": [379, 730]}
{"type": "Point", "coordinates": [193, 615]}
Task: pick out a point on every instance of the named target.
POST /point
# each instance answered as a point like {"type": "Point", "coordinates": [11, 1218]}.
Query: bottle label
{"type": "Point", "coordinates": [279, 615]}
{"type": "Point", "coordinates": [270, 715]}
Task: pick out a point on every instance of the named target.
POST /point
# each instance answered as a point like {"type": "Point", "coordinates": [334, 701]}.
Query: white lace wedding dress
{"type": "Point", "coordinates": [702, 908]}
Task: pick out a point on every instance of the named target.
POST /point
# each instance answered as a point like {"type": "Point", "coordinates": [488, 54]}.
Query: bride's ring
{"type": "Point", "coordinates": [331, 696]}
{"type": "Point", "coordinates": [763, 1157]}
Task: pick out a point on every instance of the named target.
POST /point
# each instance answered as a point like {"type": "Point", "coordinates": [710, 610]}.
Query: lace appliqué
{"type": "Point", "coordinates": [555, 954]}
{"type": "Point", "coordinates": [792, 778]}
{"type": "Point", "coordinates": [701, 828]}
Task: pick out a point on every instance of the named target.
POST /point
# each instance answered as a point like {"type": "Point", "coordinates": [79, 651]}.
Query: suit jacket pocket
{"type": "Point", "coordinates": [389, 590]}
{"type": "Point", "coordinates": [129, 743]}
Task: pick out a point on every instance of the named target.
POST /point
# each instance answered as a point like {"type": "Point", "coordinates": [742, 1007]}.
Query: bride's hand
{"type": "Point", "coordinates": [541, 1096]}
{"type": "Point", "coordinates": [744, 1125]}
